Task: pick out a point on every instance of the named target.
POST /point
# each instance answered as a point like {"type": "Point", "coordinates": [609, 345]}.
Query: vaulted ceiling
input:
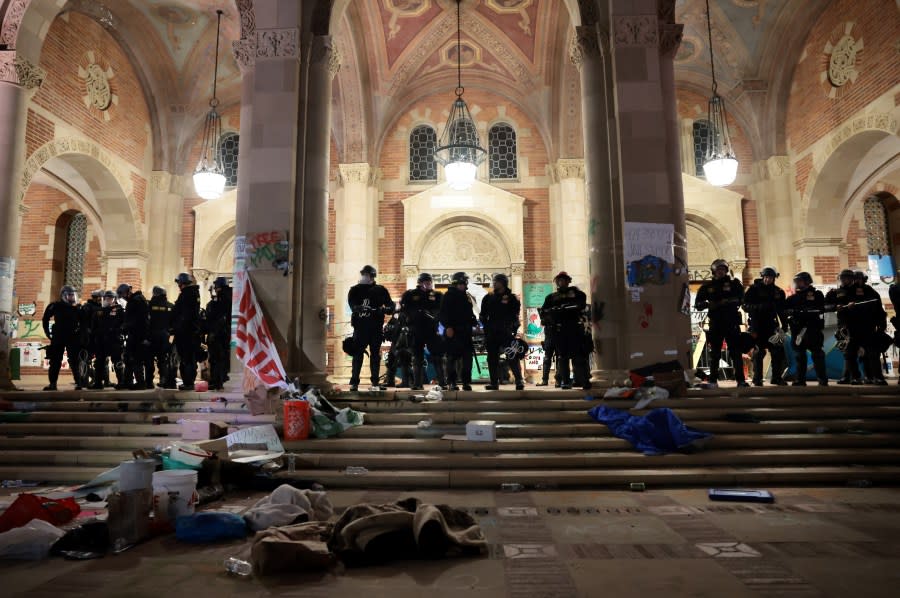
{"type": "Point", "coordinates": [396, 51]}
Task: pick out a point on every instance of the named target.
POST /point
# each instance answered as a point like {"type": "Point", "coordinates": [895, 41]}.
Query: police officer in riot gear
{"type": "Point", "coordinates": [500, 319]}
{"type": "Point", "coordinates": [89, 311]}
{"type": "Point", "coordinates": [421, 306]}
{"type": "Point", "coordinates": [457, 315]}
{"type": "Point", "coordinates": [860, 316]}
{"type": "Point", "coordinates": [137, 337]}
{"type": "Point", "coordinates": [110, 321]}
{"type": "Point", "coordinates": [369, 303]}
{"type": "Point", "coordinates": [160, 331]}
{"type": "Point", "coordinates": [64, 336]}
{"type": "Point", "coordinates": [764, 304]}
{"type": "Point", "coordinates": [877, 317]}
{"type": "Point", "coordinates": [218, 332]}
{"type": "Point", "coordinates": [564, 308]}
{"type": "Point", "coordinates": [804, 312]}
{"type": "Point", "coordinates": [186, 328]}
{"type": "Point", "coordinates": [722, 296]}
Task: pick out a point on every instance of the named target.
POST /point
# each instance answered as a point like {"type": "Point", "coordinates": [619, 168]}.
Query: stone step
{"type": "Point", "coordinates": [618, 478]}
{"type": "Point", "coordinates": [66, 457]}
{"type": "Point", "coordinates": [127, 417]}
{"type": "Point", "coordinates": [95, 443]}
{"type": "Point", "coordinates": [529, 443]}
{"type": "Point", "coordinates": [577, 460]}
{"type": "Point", "coordinates": [536, 477]}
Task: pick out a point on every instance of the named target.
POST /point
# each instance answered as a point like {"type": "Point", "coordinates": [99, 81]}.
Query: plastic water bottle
{"type": "Point", "coordinates": [355, 470]}
{"type": "Point", "coordinates": [292, 462]}
{"type": "Point", "coordinates": [511, 487]}
{"type": "Point", "coordinates": [238, 567]}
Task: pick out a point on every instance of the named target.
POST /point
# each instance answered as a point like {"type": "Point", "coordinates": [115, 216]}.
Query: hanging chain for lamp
{"type": "Point", "coordinates": [209, 178]}
{"type": "Point", "coordinates": [720, 166]}
{"type": "Point", "coordinates": [459, 148]}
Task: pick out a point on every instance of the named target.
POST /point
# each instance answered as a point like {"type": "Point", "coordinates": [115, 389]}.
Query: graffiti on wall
{"type": "Point", "coordinates": [267, 251]}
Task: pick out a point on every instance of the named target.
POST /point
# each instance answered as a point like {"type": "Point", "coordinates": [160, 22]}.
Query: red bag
{"type": "Point", "coordinates": [31, 506]}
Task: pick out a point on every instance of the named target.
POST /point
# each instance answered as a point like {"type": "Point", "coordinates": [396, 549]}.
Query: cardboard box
{"type": "Point", "coordinates": [196, 429]}
{"type": "Point", "coordinates": [481, 430]}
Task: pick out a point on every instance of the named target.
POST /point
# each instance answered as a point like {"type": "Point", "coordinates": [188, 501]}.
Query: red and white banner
{"type": "Point", "coordinates": [255, 347]}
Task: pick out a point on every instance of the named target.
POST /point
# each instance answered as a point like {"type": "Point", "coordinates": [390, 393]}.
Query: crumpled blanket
{"type": "Point", "coordinates": [368, 534]}
{"type": "Point", "coordinates": [656, 433]}
{"type": "Point", "coordinates": [287, 505]}
{"type": "Point", "coordinates": [302, 547]}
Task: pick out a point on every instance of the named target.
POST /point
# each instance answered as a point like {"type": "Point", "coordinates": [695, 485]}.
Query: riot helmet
{"type": "Point", "coordinates": [802, 277]}
{"type": "Point", "coordinates": [459, 278]}
{"type": "Point", "coordinates": [158, 291]}
{"type": "Point", "coordinates": [67, 294]}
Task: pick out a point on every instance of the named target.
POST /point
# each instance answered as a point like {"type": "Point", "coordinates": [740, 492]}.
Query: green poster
{"type": "Point", "coordinates": [536, 292]}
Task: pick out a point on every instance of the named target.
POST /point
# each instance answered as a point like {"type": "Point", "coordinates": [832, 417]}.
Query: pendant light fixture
{"type": "Point", "coordinates": [720, 166]}
{"type": "Point", "coordinates": [459, 149]}
{"type": "Point", "coordinates": [209, 178]}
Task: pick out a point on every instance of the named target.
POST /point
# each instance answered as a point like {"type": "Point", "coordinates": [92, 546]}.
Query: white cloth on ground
{"type": "Point", "coordinates": [287, 505]}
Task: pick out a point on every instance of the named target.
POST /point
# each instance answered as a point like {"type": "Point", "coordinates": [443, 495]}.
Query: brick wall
{"type": "Point", "coordinates": [67, 44]}
{"type": "Point", "coordinates": [38, 131]}
{"type": "Point", "coordinates": [751, 239]}
{"type": "Point", "coordinates": [42, 249]}
{"type": "Point", "coordinates": [811, 113]}
{"type": "Point", "coordinates": [826, 268]}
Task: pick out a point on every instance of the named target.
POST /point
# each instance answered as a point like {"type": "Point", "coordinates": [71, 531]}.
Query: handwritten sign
{"type": "Point", "coordinates": [534, 360]}
{"type": "Point", "coordinates": [534, 293]}
{"type": "Point", "coordinates": [267, 250]}
{"type": "Point", "coordinates": [646, 238]}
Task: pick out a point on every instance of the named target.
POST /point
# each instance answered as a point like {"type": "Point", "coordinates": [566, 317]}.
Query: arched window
{"type": "Point", "coordinates": [76, 244]}
{"type": "Point", "coordinates": [228, 155]}
{"type": "Point", "coordinates": [701, 144]}
{"type": "Point", "coordinates": [876, 221]}
{"type": "Point", "coordinates": [502, 150]}
{"type": "Point", "coordinates": [422, 166]}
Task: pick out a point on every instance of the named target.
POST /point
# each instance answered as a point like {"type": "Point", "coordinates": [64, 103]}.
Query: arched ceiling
{"type": "Point", "coordinates": [396, 51]}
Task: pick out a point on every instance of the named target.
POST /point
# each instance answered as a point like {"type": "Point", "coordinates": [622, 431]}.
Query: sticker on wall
{"type": "Point", "coordinates": [534, 329]}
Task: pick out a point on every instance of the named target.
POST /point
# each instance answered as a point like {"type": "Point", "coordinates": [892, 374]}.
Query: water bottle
{"type": "Point", "coordinates": [238, 567]}
{"type": "Point", "coordinates": [355, 470]}
{"type": "Point", "coordinates": [511, 487]}
{"type": "Point", "coordinates": [292, 462]}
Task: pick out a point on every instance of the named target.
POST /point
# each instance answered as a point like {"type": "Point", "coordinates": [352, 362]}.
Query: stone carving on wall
{"type": "Point", "coordinates": [248, 19]}
{"type": "Point", "coordinates": [244, 53]}
{"type": "Point", "coordinates": [277, 43]}
{"type": "Point", "coordinates": [96, 82]}
{"type": "Point", "coordinates": [670, 36]}
{"type": "Point", "coordinates": [21, 71]}
{"type": "Point", "coordinates": [519, 7]}
{"type": "Point", "coordinates": [569, 169]}
{"type": "Point", "coordinates": [15, 12]}
{"type": "Point", "coordinates": [584, 44]}
{"type": "Point", "coordinates": [355, 173]}
{"type": "Point", "coordinates": [466, 247]}
{"type": "Point", "coordinates": [323, 49]}
{"type": "Point", "coordinates": [637, 30]}
{"type": "Point", "coordinates": [843, 59]}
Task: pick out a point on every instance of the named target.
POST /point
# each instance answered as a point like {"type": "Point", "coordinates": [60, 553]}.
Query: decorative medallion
{"type": "Point", "coordinates": [96, 81]}
{"type": "Point", "coordinates": [843, 60]}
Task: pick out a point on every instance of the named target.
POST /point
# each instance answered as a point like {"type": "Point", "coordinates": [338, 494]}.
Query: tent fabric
{"type": "Point", "coordinates": [656, 433]}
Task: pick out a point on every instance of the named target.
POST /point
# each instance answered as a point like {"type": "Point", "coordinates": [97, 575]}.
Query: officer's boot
{"type": "Point", "coordinates": [819, 364]}
{"type": "Point", "coordinates": [53, 374]}
{"type": "Point", "coordinates": [440, 371]}
{"type": "Point", "coordinates": [493, 374]}
{"type": "Point", "coordinates": [99, 373]}
{"type": "Point", "coordinates": [418, 368]}
{"type": "Point", "coordinates": [758, 356]}
{"type": "Point", "coordinates": [778, 363]}
{"type": "Point", "coordinates": [800, 379]}
{"type": "Point", "coordinates": [516, 366]}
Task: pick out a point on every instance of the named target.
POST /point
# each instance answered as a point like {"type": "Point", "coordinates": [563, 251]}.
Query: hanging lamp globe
{"type": "Point", "coordinates": [459, 148]}
{"type": "Point", "coordinates": [209, 177]}
{"type": "Point", "coordinates": [720, 165]}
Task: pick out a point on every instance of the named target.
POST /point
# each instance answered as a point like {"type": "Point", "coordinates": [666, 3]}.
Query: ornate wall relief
{"type": "Point", "coordinates": [843, 59]}
{"type": "Point", "coordinates": [96, 81]}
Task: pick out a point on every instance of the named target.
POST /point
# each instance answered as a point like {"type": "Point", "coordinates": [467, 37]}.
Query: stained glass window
{"type": "Point", "coordinates": [228, 155]}
{"type": "Point", "coordinates": [76, 244]}
{"type": "Point", "coordinates": [701, 144]}
{"type": "Point", "coordinates": [422, 166]}
{"type": "Point", "coordinates": [502, 149]}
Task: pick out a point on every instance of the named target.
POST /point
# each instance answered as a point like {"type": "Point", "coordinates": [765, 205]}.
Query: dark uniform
{"type": "Point", "coordinates": [804, 312]}
{"type": "Point", "coordinates": [399, 334]}
{"type": "Point", "coordinates": [369, 303]}
{"type": "Point", "coordinates": [563, 310]}
{"type": "Point", "coordinates": [64, 336]}
{"type": "Point", "coordinates": [859, 322]}
{"type": "Point", "coordinates": [764, 304]}
{"type": "Point", "coordinates": [421, 307]}
{"type": "Point", "coordinates": [186, 328]}
{"type": "Point", "coordinates": [137, 341]}
{"type": "Point", "coordinates": [218, 334]}
{"type": "Point", "coordinates": [110, 320]}
{"type": "Point", "coordinates": [160, 347]}
{"type": "Point", "coordinates": [549, 346]}
{"type": "Point", "coordinates": [500, 319]}
{"type": "Point", "coordinates": [89, 311]}
{"type": "Point", "coordinates": [458, 317]}
{"type": "Point", "coordinates": [722, 296]}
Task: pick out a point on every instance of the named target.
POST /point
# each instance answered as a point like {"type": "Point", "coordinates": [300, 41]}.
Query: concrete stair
{"type": "Point", "coordinates": [809, 435]}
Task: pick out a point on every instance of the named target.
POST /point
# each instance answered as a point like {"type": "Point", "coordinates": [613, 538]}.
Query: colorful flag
{"type": "Point", "coordinates": [255, 347]}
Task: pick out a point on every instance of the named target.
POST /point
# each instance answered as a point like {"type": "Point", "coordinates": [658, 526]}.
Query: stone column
{"type": "Point", "coordinates": [571, 228]}
{"type": "Point", "coordinates": [606, 291]}
{"type": "Point", "coordinates": [646, 38]}
{"type": "Point", "coordinates": [312, 200]}
{"type": "Point", "coordinates": [772, 191]}
{"type": "Point", "coordinates": [165, 200]}
{"type": "Point", "coordinates": [355, 210]}
{"type": "Point", "coordinates": [17, 77]}
{"type": "Point", "coordinates": [269, 58]}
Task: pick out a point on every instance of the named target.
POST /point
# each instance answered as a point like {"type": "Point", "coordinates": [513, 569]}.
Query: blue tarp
{"type": "Point", "coordinates": [656, 433]}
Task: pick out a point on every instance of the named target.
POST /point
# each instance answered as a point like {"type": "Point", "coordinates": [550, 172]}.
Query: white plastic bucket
{"type": "Point", "coordinates": [174, 494]}
{"type": "Point", "coordinates": [136, 474]}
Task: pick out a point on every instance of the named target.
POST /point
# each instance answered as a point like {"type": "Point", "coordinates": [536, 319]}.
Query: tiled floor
{"type": "Point", "coordinates": [811, 542]}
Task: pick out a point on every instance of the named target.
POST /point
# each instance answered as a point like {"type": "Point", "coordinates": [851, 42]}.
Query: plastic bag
{"type": "Point", "coordinates": [32, 541]}
{"type": "Point", "coordinates": [31, 506]}
{"type": "Point", "coordinates": [210, 527]}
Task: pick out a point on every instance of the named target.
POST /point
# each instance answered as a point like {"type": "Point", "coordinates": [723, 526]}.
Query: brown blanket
{"type": "Point", "coordinates": [293, 548]}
